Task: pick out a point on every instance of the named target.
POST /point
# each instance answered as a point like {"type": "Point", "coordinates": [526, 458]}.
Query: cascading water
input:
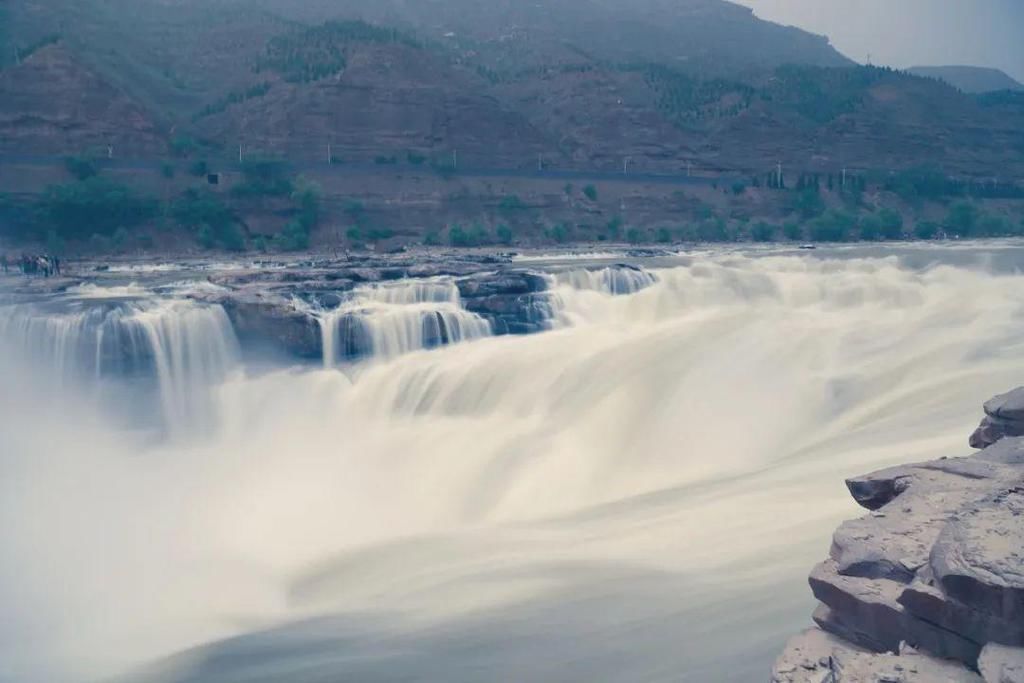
{"type": "Point", "coordinates": [184, 346]}
{"type": "Point", "coordinates": [620, 280]}
{"type": "Point", "coordinates": [637, 495]}
{"type": "Point", "coordinates": [386, 321]}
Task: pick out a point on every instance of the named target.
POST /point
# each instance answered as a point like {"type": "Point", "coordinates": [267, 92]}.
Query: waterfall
{"type": "Point", "coordinates": [636, 496]}
{"type": "Point", "coordinates": [617, 281]}
{"type": "Point", "coordinates": [193, 349]}
{"type": "Point", "coordinates": [184, 346]}
{"type": "Point", "coordinates": [390, 320]}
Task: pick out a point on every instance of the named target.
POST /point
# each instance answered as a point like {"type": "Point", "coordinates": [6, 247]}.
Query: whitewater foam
{"type": "Point", "coordinates": [635, 495]}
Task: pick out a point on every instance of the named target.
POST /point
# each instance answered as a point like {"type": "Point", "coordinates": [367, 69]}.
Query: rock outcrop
{"type": "Point", "coordinates": [1004, 416]}
{"type": "Point", "coordinates": [930, 585]}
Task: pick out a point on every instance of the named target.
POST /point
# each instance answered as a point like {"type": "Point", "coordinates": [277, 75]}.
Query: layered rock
{"type": "Point", "coordinates": [938, 566]}
{"type": "Point", "coordinates": [1004, 416]}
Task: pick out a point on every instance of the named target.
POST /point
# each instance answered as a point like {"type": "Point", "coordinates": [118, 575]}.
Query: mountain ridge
{"type": "Point", "coordinates": [970, 79]}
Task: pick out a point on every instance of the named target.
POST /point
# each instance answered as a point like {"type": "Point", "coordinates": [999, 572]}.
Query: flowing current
{"type": "Point", "coordinates": [635, 495]}
{"type": "Point", "coordinates": [386, 321]}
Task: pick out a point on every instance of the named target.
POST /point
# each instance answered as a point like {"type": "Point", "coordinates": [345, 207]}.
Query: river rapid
{"type": "Point", "coordinates": [634, 494]}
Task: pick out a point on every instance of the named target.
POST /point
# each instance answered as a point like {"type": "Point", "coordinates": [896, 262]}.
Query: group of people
{"type": "Point", "coordinates": [32, 265]}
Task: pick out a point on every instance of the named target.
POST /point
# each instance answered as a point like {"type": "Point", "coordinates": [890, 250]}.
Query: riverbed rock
{"type": "Point", "coordinates": [1001, 664]}
{"type": "Point", "coordinates": [1004, 416]}
{"type": "Point", "coordinates": [938, 564]}
{"type": "Point", "coordinates": [818, 657]}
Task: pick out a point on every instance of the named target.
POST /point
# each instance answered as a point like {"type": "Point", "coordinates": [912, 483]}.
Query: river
{"type": "Point", "coordinates": [635, 493]}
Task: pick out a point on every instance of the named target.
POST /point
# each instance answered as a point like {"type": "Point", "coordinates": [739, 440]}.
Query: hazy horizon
{"type": "Point", "coordinates": [945, 32]}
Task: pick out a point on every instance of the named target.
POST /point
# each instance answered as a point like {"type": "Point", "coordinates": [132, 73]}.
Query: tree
{"type": "Point", "coordinates": [712, 230]}
{"type": "Point", "coordinates": [891, 223]}
{"type": "Point", "coordinates": [833, 226]}
{"type": "Point", "coordinates": [264, 176]}
{"type": "Point", "coordinates": [614, 228]}
{"type": "Point", "coordinates": [95, 205]}
{"type": "Point", "coordinates": [634, 236]}
{"type": "Point", "coordinates": [926, 230]}
{"type": "Point", "coordinates": [199, 168]}
{"type": "Point", "coordinates": [81, 167]}
{"type": "Point", "coordinates": [560, 233]}
{"type": "Point", "coordinates": [504, 234]}
{"type": "Point", "coordinates": [762, 232]}
{"type": "Point", "coordinates": [871, 228]}
{"type": "Point", "coordinates": [808, 203]}
{"type": "Point", "coordinates": [590, 192]}
{"type": "Point", "coordinates": [793, 232]}
{"type": "Point", "coordinates": [167, 170]}
{"type": "Point", "coordinates": [962, 219]}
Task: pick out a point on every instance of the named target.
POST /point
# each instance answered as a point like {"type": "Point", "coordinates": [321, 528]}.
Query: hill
{"type": "Point", "coordinates": [654, 85]}
{"type": "Point", "coordinates": [969, 79]}
{"type": "Point", "coordinates": [53, 104]}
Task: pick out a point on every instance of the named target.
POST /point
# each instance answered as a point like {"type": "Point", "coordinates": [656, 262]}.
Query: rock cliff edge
{"type": "Point", "coordinates": [929, 586]}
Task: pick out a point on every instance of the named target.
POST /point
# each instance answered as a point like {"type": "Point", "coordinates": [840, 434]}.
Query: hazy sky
{"type": "Point", "coordinates": [904, 33]}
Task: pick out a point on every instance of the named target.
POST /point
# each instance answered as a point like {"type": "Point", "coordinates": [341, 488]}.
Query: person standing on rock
{"type": "Point", "coordinates": [4, 264]}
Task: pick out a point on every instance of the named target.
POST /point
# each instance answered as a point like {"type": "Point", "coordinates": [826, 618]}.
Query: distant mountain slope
{"type": "Point", "coordinates": [970, 79]}
{"type": "Point", "coordinates": [52, 104]}
{"type": "Point", "coordinates": [389, 101]}
{"type": "Point", "coordinates": [711, 35]}
{"type": "Point", "coordinates": [651, 85]}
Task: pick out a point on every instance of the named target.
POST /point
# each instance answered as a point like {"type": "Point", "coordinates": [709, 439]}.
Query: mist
{"type": "Point", "coordinates": [625, 496]}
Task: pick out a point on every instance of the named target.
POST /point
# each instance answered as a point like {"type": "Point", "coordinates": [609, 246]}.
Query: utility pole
{"type": "Point", "coordinates": [844, 178]}
{"type": "Point", "coordinates": [689, 168]}
{"type": "Point", "coordinates": [17, 55]}
{"type": "Point", "coordinates": [455, 159]}
{"type": "Point", "coordinates": [625, 166]}
{"type": "Point", "coordinates": [330, 159]}
{"type": "Point", "coordinates": [540, 164]}
{"type": "Point", "coordinates": [239, 154]}
{"type": "Point", "coordinates": [778, 175]}
{"type": "Point", "coordinates": [110, 151]}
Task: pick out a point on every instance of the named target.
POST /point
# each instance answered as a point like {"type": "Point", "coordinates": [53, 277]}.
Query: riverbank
{"type": "Point", "coordinates": [930, 585]}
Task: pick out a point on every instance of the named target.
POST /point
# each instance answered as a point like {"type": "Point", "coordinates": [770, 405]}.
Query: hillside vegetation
{"type": "Point", "coordinates": [807, 144]}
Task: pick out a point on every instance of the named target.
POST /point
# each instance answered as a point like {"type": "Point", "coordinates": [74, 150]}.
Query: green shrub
{"type": "Point", "coordinates": [264, 176]}
{"type": "Point", "coordinates": [891, 224]}
{"type": "Point", "coordinates": [560, 233]}
{"type": "Point", "coordinates": [635, 236]}
{"type": "Point", "coordinates": [92, 206]}
{"type": "Point", "coordinates": [926, 230]}
{"type": "Point", "coordinates": [590, 192]}
{"type": "Point", "coordinates": [511, 203]}
{"type": "Point", "coordinates": [808, 203]}
{"type": "Point", "coordinates": [833, 226]}
{"type": "Point", "coordinates": [167, 170]}
{"type": "Point", "coordinates": [199, 168]}
{"type": "Point", "coordinates": [870, 228]}
{"type": "Point", "coordinates": [712, 230]}
{"type": "Point", "coordinates": [614, 228]}
{"type": "Point", "coordinates": [504, 234]}
{"type": "Point", "coordinates": [81, 167]}
{"type": "Point", "coordinates": [763, 232]}
{"type": "Point", "coordinates": [962, 219]}
{"type": "Point", "coordinates": [794, 232]}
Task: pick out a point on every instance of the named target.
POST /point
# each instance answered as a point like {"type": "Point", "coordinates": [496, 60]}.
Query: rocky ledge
{"type": "Point", "coordinates": [930, 585]}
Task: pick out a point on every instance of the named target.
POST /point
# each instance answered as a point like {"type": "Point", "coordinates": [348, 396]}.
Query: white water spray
{"type": "Point", "coordinates": [636, 495]}
{"type": "Point", "coordinates": [387, 321]}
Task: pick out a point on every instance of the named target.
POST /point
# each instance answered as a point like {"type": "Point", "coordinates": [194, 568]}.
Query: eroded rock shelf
{"type": "Point", "coordinates": [929, 586]}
